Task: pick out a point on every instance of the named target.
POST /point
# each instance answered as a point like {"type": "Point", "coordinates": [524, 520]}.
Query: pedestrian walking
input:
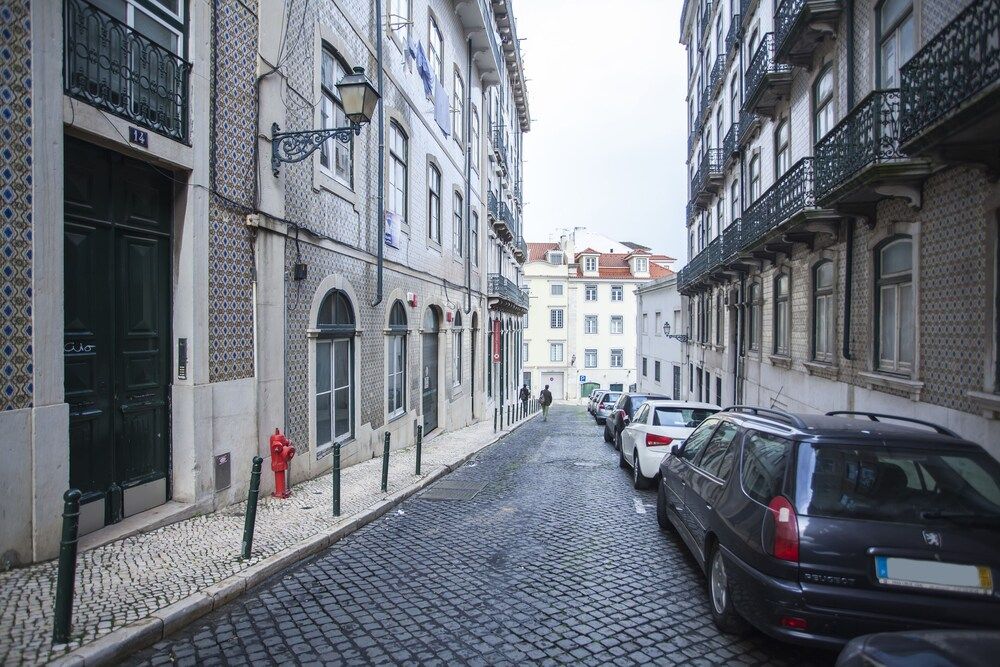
{"type": "Point", "coordinates": [545, 400]}
{"type": "Point", "coordinates": [524, 395]}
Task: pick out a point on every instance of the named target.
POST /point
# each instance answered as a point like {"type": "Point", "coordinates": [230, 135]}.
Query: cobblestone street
{"type": "Point", "coordinates": [555, 559]}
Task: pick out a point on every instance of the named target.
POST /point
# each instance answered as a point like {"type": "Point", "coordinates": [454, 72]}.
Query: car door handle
{"type": "Point", "coordinates": [708, 506]}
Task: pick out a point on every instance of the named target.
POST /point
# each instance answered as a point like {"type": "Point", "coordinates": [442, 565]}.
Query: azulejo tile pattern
{"type": "Point", "coordinates": [15, 205]}
{"type": "Point", "coordinates": [231, 262]}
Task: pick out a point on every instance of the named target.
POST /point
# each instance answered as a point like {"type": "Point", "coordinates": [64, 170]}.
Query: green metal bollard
{"type": "Point", "coordinates": [501, 417]}
{"type": "Point", "coordinates": [251, 516]}
{"type": "Point", "coordinates": [385, 464]}
{"type": "Point", "coordinates": [494, 420]}
{"type": "Point", "coordinates": [420, 444]}
{"type": "Point", "coordinates": [67, 567]}
{"type": "Point", "coordinates": [335, 475]}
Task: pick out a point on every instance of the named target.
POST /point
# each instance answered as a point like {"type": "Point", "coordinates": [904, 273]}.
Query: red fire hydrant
{"type": "Point", "coordinates": [282, 452]}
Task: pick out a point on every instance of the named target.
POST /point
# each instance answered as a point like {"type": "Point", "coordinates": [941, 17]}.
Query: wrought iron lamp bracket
{"type": "Point", "coordinates": [682, 338]}
{"type": "Point", "coordinates": [297, 146]}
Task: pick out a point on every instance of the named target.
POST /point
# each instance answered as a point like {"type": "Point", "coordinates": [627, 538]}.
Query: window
{"type": "Point", "coordinates": [734, 200]}
{"type": "Point", "coordinates": [765, 457]}
{"type": "Point", "coordinates": [435, 47]}
{"type": "Point", "coordinates": [457, 236]}
{"type": "Point", "coordinates": [754, 316]}
{"type": "Point", "coordinates": [396, 381]}
{"type": "Point", "coordinates": [754, 178]}
{"type": "Point", "coordinates": [718, 318]}
{"type": "Point", "coordinates": [617, 293]}
{"type": "Point", "coordinates": [782, 314]}
{"type": "Point", "coordinates": [398, 158]}
{"type": "Point", "coordinates": [641, 265]}
{"type": "Point", "coordinates": [656, 371]}
{"type": "Point", "coordinates": [456, 334]}
{"type": "Point", "coordinates": [822, 95]}
{"type": "Point", "coordinates": [555, 257]}
{"type": "Point", "coordinates": [720, 206]}
{"type": "Point", "coordinates": [894, 305]}
{"type": "Point", "coordinates": [590, 324]}
{"type": "Point", "coordinates": [475, 238]}
{"type": "Point", "coordinates": [524, 351]}
{"type": "Point", "coordinates": [617, 358]}
{"type": "Point", "coordinates": [657, 325]}
{"type": "Point", "coordinates": [617, 324]}
{"type": "Point", "coordinates": [434, 204]}
{"type": "Point", "coordinates": [334, 398]}
{"type": "Point", "coordinates": [334, 155]}
{"type": "Point", "coordinates": [555, 351]}
{"type": "Point", "coordinates": [590, 358]}
{"type": "Point", "coordinates": [398, 17]}
{"type": "Point", "coordinates": [474, 139]}
{"type": "Point", "coordinates": [590, 263]}
{"type": "Point", "coordinates": [556, 318]}
{"type": "Point", "coordinates": [719, 453]}
{"type": "Point", "coordinates": [896, 41]}
{"type": "Point", "coordinates": [823, 311]}
{"type": "Point", "coordinates": [782, 148]}
{"type": "Point", "coordinates": [734, 99]}
{"type": "Point", "coordinates": [697, 440]}
{"type": "Point", "coordinates": [645, 324]}
{"type": "Point", "coordinates": [556, 289]}
{"type": "Point", "coordinates": [644, 373]}
{"type": "Point", "coordinates": [458, 108]}
{"type": "Point", "coordinates": [590, 293]}
{"type": "Point", "coordinates": [642, 414]}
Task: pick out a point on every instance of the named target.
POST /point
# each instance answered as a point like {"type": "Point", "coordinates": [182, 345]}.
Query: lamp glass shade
{"type": "Point", "coordinates": [666, 328]}
{"type": "Point", "coordinates": [358, 96]}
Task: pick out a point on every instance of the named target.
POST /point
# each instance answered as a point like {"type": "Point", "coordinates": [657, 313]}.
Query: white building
{"type": "Point", "coordinates": [582, 312]}
{"type": "Point", "coordinates": [659, 359]}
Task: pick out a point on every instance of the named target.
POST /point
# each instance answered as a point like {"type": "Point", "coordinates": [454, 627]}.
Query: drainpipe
{"type": "Point", "coordinates": [849, 259]}
{"type": "Point", "coordinates": [381, 157]}
{"type": "Point", "coordinates": [850, 54]}
{"type": "Point", "coordinates": [468, 181]}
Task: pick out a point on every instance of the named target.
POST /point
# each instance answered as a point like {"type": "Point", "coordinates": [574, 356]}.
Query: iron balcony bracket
{"type": "Point", "coordinates": [297, 146]}
{"type": "Point", "coordinates": [681, 338]}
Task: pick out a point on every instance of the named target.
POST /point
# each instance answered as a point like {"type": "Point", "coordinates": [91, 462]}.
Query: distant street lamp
{"type": "Point", "coordinates": [359, 98]}
{"type": "Point", "coordinates": [683, 338]}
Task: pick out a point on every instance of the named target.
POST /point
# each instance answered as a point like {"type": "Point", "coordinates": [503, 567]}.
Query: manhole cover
{"type": "Point", "coordinates": [453, 490]}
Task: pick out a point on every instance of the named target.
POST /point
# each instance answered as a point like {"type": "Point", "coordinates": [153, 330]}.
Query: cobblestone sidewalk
{"type": "Point", "coordinates": [125, 581]}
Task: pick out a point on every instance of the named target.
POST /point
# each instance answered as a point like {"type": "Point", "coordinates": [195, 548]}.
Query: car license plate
{"type": "Point", "coordinates": [933, 575]}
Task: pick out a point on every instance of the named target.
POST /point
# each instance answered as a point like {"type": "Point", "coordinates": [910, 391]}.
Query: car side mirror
{"type": "Point", "coordinates": [675, 450]}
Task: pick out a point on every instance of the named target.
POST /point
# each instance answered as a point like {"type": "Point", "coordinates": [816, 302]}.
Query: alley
{"type": "Point", "coordinates": [553, 559]}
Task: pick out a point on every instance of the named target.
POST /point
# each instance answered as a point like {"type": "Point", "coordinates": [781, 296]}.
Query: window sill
{"type": "Point", "coordinates": [821, 369]}
{"type": "Point", "coordinates": [396, 416]}
{"type": "Point", "coordinates": [780, 360]}
{"type": "Point", "coordinates": [989, 402]}
{"type": "Point", "coordinates": [325, 181]}
{"type": "Point", "coordinates": [328, 449]}
{"type": "Point", "coordinates": [882, 381]}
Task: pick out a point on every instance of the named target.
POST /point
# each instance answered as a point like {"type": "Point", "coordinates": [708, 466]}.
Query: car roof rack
{"type": "Point", "coordinates": [794, 420]}
{"type": "Point", "coordinates": [874, 416]}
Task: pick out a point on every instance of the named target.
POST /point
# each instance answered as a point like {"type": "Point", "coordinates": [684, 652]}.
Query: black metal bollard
{"type": "Point", "coordinates": [251, 515]}
{"type": "Point", "coordinates": [385, 463]}
{"type": "Point", "coordinates": [494, 420]}
{"type": "Point", "coordinates": [67, 567]}
{"type": "Point", "coordinates": [335, 475]}
{"type": "Point", "coordinates": [508, 415]}
{"type": "Point", "coordinates": [501, 417]}
{"type": "Point", "coordinates": [420, 444]}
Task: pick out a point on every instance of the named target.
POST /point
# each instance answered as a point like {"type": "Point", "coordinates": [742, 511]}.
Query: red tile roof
{"type": "Point", "coordinates": [615, 265]}
{"type": "Point", "coordinates": [536, 251]}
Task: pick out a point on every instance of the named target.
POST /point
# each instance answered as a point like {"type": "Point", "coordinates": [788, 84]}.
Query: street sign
{"type": "Point", "coordinates": [496, 341]}
{"type": "Point", "coordinates": [583, 378]}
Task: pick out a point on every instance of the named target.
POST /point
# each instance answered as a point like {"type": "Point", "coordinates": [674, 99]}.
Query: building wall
{"type": "Point", "coordinates": [653, 346]}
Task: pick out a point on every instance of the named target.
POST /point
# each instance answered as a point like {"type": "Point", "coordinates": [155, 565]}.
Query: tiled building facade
{"type": "Point", "coordinates": [182, 300]}
{"type": "Point", "coordinates": [843, 208]}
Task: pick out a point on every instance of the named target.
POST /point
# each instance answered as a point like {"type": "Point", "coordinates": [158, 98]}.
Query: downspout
{"type": "Point", "coordinates": [849, 259]}
{"type": "Point", "coordinates": [468, 181]}
{"type": "Point", "coordinates": [381, 157]}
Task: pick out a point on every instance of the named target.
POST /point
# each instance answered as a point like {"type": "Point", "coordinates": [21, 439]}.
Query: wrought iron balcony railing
{"type": "Point", "coordinates": [733, 37]}
{"type": "Point", "coordinates": [800, 26]}
{"type": "Point", "coordinates": [731, 144]}
{"type": "Point", "coordinates": [689, 212]}
{"type": "Point", "coordinates": [717, 77]}
{"type": "Point", "coordinates": [503, 288]}
{"type": "Point", "coordinates": [761, 65]}
{"type": "Point", "coordinates": [958, 63]}
{"type": "Point", "coordinates": [118, 69]}
{"type": "Point", "coordinates": [785, 17]}
{"type": "Point", "coordinates": [493, 206]}
{"type": "Point", "coordinates": [705, 21]}
{"type": "Point", "coordinates": [500, 146]}
{"type": "Point", "coordinates": [867, 135]}
{"type": "Point", "coordinates": [507, 217]}
{"type": "Point", "coordinates": [709, 171]}
{"type": "Point", "coordinates": [747, 8]}
{"type": "Point", "coordinates": [520, 249]}
{"type": "Point", "coordinates": [790, 194]}
{"type": "Point", "coordinates": [749, 121]}
{"type": "Point", "coordinates": [732, 240]}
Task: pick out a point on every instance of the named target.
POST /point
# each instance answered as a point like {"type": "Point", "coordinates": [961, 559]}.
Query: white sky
{"type": "Point", "coordinates": [608, 139]}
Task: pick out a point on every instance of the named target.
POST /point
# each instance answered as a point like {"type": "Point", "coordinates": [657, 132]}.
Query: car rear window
{"type": "Point", "coordinates": [610, 397]}
{"type": "Point", "coordinates": [896, 483]}
{"type": "Point", "coordinates": [765, 458]}
{"type": "Point", "coordinates": [684, 417]}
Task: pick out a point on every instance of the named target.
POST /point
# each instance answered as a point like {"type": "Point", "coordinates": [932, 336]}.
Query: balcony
{"type": "Point", "coordinates": [747, 9]}
{"type": "Point", "coordinates": [705, 104]}
{"type": "Point", "coordinates": [504, 295]}
{"type": "Point", "coordinates": [708, 179]}
{"type": "Point", "coordinates": [492, 207]}
{"type": "Point", "coordinates": [520, 250]}
{"type": "Point", "coordinates": [800, 26]}
{"type": "Point", "coordinates": [731, 145]}
{"type": "Point", "coordinates": [117, 69]}
{"type": "Point", "coordinates": [791, 199]}
{"type": "Point", "coordinates": [500, 148]}
{"type": "Point", "coordinates": [767, 82]}
{"type": "Point", "coordinates": [950, 93]}
{"type": "Point", "coordinates": [504, 223]}
{"type": "Point", "coordinates": [733, 37]}
{"type": "Point", "coordinates": [717, 77]}
{"type": "Point", "coordinates": [690, 211]}
{"type": "Point", "coordinates": [749, 124]}
{"type": "Point", "coordinates": [705, 21]}
{"type": "Point", "coordinates": [860, 161]}
{"type": "Point", "coordinates": [732, 241]}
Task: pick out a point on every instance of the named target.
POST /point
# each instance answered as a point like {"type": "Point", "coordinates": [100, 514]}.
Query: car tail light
{"type": "Point", "coordinates": [786, 529]}
{"type": "Point", "coordinates": [653, 440]}
{"type": "Point", "coordinates": [794, 622]}
{"type": "Point", "coordinates": [601, 406]}
{"type": "Point", "coordinates": [622, 415]}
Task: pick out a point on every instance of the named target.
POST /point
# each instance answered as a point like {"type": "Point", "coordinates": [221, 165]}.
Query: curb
{"type": "Point", "coordinates": [145, 632]}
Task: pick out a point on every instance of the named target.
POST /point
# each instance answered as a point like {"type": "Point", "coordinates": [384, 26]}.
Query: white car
{"type": "Point", "coordinates": [657, 426]}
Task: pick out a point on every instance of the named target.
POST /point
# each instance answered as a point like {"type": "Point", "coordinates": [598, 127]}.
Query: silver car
{"type": "Point", "coordinates": [605, 404]}
{"type": "Point", "coordinates": [595, 395]}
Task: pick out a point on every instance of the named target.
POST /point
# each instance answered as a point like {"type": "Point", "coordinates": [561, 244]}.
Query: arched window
{"type": "Point", "coordinates": [754, 317]}
{"type": "Point", "coordinates": [398, 171]}
{"type": "Point", "coordinates": [457, 347]}
{"type": "Point", "coordinates": [335, 156]}
{"type": "Point", "coordinates": [782, 314]}
{"type": "Point", "coordinates": [396, 372]}
{"type": "Point", "coordinates": [782, 148]}
{"type": "Point", "coordinates": [334, 398]}
{"type": "Point", "coordinates": [822, 101]}
{"type": "Point", "coordinates": [894, 305]}
{"type": "Point", "coordinates": [823, 311]}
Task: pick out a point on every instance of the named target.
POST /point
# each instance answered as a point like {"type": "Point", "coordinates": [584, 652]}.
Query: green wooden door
{"type": "Point", "coordinates": [117, 330]}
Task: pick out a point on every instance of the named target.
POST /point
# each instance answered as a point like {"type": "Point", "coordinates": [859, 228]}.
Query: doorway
{"type": "Point", "coordinates": [429, 380]}
{"type": "Point", "coordinates": [118, 221]}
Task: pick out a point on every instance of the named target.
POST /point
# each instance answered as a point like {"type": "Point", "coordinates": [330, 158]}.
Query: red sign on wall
{"type": "Point", "coordinates": [496, 341]}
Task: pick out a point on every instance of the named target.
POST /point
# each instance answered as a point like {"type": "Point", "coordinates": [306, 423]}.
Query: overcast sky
{"type": "Point", "coordinates": [608, 137]}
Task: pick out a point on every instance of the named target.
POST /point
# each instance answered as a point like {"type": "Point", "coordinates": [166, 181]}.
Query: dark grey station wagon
{"type": "Point", "coordinates": [819, 528]}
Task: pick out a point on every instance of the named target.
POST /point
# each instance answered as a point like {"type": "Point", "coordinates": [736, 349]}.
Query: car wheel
{"type": "Point", "coordinates": [662, 518]}
{"type": "Point", "coordinates": [607, 435]}
{"type": "Point", "coordinates": [639, 481]}
{"type": "Point", "coordinates": [622, 463]}
{"type": "Point", "coordinates": [618, 441]}
{"type": "Point", "coordinates": [720, 596]}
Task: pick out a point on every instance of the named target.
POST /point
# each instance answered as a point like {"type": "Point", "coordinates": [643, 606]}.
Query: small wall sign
{"type": "Point", "coordinates": [138, 137]}
{"type": "Point", "coordinates": [182, 358]}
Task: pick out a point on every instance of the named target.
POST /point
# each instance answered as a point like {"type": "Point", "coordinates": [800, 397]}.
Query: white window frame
{"type": "Point", "coordinates": [619, 290]}
{"type": "Point", "coordinates": [553, 349]}
{"type": "Point", "coordinates": [590, 325]}
{"type": "Point", "coordinates": [617, 322]}
{"type": "Point", "coordinates": [557, 318]}
{"type": "Point", "coordinates": [590, 358]}
{"type": "Point", "coordinates": [617, 355]}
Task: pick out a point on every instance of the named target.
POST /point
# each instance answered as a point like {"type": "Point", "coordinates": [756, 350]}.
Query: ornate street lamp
{"type": "Point", "coordinates": [359, 98]}
{"type": "Point", "coordinates": [683, 338]}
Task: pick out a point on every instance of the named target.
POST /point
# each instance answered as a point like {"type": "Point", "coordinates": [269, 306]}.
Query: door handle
{"type": "Point", "coordinates": [708, 506]}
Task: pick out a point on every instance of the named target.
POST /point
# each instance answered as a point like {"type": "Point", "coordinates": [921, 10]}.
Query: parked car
{"type": "Point", "coordinates": [925, 648]}
{"type": "Point", "coordinates": [604, 405]}
{"type": "Point", "coordinates": [818, 528]}
{"type": "Point", "coordinates": [592, 400]}
{"type": "Point", "coordinates": [622, 412]}
{"type": "Point", "coordinates": [656, 426]}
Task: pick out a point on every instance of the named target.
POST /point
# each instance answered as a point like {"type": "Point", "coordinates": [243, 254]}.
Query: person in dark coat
{"type": "Point", "coordinates": [545, 400]}
{"type": "Point", "coordinates": [524, 395]}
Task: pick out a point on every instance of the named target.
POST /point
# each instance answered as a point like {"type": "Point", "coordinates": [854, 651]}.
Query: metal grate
{"type": "Point", "coordinates": [453, 490]}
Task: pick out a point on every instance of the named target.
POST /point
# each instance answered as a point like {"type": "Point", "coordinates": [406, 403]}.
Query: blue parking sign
{"type": "Point", "coordinates": [583, 378]}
